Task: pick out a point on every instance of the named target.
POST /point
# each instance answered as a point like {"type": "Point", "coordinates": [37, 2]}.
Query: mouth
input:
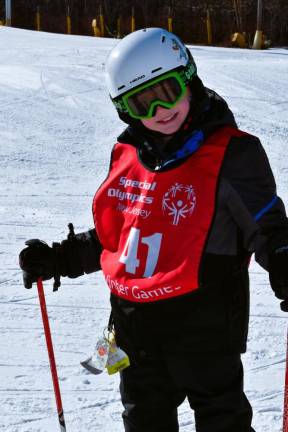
{"type": "Point", "coordinates": [168, 119]}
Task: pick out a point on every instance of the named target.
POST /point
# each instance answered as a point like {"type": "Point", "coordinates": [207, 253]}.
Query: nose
{"type": "Point", "coordinates": [160, 109]}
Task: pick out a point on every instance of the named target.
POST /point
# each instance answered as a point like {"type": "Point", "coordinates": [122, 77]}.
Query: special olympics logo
{"type": "Point", "coordinates": [179, 202]}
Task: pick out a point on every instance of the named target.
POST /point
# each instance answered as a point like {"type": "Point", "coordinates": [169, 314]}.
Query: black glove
{"type": "Point", "coordinates": [39, 260]}
{"type": "Point", "coordinates": [75, 256]}
{"type": "Point", "coordinates": [278, 275]}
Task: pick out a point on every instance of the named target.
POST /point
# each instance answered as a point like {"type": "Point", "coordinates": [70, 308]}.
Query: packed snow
{"type": "Point", "coordinates": [57, 127]}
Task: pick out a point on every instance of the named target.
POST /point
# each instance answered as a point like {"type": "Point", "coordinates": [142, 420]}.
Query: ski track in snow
{"type": "Point", "coordinates": [57, 127]}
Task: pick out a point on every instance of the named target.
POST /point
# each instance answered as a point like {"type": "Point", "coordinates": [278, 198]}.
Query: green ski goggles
{"type": "Point", "coordinates": [166, 90]}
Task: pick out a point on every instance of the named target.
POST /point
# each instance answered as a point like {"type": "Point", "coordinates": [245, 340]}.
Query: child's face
{"type": "Point", "coordinates": [169, 121]}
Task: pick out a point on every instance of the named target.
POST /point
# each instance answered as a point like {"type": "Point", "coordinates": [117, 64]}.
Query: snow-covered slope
{"type": "Point", "coordinates": [57, 126]}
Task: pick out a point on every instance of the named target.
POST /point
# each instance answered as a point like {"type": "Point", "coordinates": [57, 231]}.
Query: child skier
{"type": "Point", "coordinates": [187, 201]}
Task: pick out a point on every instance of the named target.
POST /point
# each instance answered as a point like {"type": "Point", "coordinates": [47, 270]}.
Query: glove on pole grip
{"type": "Point", "coordinates": [50, 350]}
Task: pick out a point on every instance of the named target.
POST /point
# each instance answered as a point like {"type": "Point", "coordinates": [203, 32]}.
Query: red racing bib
{"type": "Point", "coordinates": [153, 226]}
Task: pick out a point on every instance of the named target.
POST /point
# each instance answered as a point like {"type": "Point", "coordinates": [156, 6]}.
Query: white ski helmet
{"type": "Point", "coordinates": [144, 55]}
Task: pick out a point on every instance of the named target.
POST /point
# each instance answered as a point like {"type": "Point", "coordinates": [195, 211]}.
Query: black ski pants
{"type": "Point", "coordinates": [155, 386]}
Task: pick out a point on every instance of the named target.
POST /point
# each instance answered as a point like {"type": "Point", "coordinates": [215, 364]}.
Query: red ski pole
{"type": "Point", "coordinates": [285, 410]}
{"type": "Point", "coordinates": [51, 355]}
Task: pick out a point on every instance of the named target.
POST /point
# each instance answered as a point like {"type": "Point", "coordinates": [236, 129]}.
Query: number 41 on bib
{"type": "Point", "coordinates": [129, 256]}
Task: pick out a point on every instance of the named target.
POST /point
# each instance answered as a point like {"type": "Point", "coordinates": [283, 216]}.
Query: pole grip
{"type": "Point", "coordinates": [51, 355]}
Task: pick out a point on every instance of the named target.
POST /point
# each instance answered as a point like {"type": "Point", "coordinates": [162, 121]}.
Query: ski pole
{"type": "Point", "coordinates": [50, 350]}
{"type": "Point", "coordinates": [285, 410]}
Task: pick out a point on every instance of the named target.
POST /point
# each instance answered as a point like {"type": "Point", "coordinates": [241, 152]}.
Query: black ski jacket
{"type": "Point", "coordinates": [249, 218]}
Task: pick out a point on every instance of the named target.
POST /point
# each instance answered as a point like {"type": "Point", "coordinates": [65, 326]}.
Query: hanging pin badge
{"type": "Point", "coordinates": [117, 358]}
{"type": "Point", "coordinates": [97, 362]}
{"type": "Point", "coordinates": [106, 355]}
